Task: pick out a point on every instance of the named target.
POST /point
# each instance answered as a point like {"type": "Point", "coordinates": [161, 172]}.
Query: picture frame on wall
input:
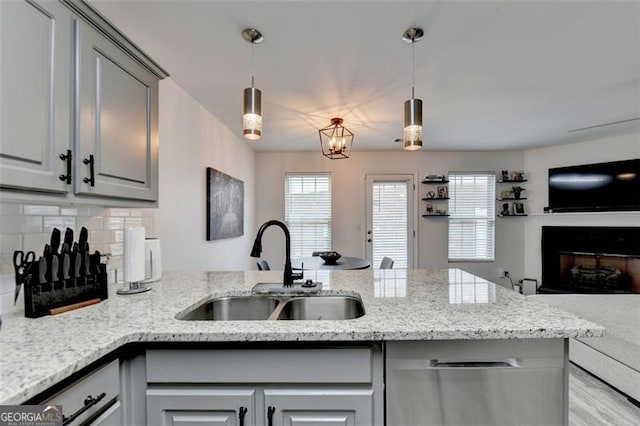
{"type": "Point", "coordinates": [225, 205]}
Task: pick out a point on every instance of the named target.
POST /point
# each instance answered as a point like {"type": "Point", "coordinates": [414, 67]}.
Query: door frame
{"type": "Point", "coordinates": [412, 211]}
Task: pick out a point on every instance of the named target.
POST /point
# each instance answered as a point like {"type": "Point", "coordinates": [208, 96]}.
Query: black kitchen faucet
{"type": "Point", "coordinates": [289, 276]}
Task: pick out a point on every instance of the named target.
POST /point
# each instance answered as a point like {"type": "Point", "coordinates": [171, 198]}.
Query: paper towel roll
{"type": "Point", "coordinates": [134, 254]}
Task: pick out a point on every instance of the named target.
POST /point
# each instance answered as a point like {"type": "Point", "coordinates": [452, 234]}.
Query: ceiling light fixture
{"type": "Point", "coordinates": [412, 135]}
{"type": "Point", "coordinates": [336, 140]}
{"type": "Point", "coordinates": [252, 117]}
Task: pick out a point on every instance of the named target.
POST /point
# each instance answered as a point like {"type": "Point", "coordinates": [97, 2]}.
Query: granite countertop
{"type": "Point", "coordinates": [400, 305]}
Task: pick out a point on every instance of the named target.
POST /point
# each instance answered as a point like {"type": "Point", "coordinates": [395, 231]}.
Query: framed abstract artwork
{"type": "Point", "coordinates": [225, 205]}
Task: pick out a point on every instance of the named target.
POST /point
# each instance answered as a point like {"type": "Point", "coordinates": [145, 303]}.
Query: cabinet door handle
{"type": "Point", "coordinates": [241, 414]}
{"type": "Point", "coordinates": [66, 157]}
{"type": "Point", "coordinates": [88, 403]}
{"type": "Point", "coordinates": [90, 180]}
{"type": "Point", "coordinates": [270, 411]}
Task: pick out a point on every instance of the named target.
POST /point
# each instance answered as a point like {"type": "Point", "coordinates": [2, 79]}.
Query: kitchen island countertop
{"type": "Point", "coordinates": [400, 305]}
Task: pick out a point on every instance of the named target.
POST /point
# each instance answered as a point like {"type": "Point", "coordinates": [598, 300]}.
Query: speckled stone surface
{"type": "Point", "coordinates": [400, 305]}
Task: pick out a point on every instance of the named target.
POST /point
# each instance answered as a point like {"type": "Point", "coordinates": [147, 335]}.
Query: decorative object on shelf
{"type": "Point", "coordinates": [431, 194]}
{"type": "Point", "coordinates": [518, 209]}
{"type": "Point", "coordinates": [442, 192]}
{"type": "Point", "coordinates": [225, 205]}
{"type": "Point", "coordinates": [506, 195]}
{"type": "Point", "coordinates": [517, 176]}
{"type": "Point", "coordinates": [441, 212]}
{"type": "Point", "coordinates": [517, 191]}
{"type": "Point", "coordinates": [252, 116]}
{"type": "Point", "coordinates": [429, 208]}
{"type": "Point", "coordinates": [505, 210]}
{"type": "Point", "coordinates": [505, 174]}
{"type": "Point", "coordinates": [412, 134]}
{"type": "Point", "coordinates": [336, 140]}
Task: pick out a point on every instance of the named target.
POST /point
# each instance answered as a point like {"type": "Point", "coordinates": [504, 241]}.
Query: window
{"type": "Point", "coordinates": [307, 212]}
{"type": "Point", "coordinates": [472, 221]}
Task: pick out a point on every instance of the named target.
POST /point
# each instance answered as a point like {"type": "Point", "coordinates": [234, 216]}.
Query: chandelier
{"type": "Point", "coordinates": [336, 140]}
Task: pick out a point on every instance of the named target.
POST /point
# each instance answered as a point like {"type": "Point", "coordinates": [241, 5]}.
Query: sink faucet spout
{"type": "Point", "coordinates": [289, 276]}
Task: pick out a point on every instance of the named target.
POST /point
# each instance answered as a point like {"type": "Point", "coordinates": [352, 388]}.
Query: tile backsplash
{"type": "Point", "coordinates": [28, 226]}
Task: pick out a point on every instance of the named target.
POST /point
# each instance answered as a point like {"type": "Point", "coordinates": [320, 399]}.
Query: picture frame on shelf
{"type": "Point", "coordinates": [519, 209]}
{"type": "Point", "coordinates": [442, 192]}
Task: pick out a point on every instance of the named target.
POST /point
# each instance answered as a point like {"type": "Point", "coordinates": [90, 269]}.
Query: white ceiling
{"type": "Point", "coordinates": [492, 74]}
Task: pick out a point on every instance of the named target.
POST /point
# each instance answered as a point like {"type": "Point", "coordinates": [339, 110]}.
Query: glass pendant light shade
{"type": "Point", "coordinates": [336, 140]}
{"type": "Point", "coordinates": [252, 117]}
{"type": "Point", "coordinates": [412, 135]}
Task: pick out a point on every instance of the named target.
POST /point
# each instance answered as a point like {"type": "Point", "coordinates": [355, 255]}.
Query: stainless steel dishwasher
{"type": "Point", "coordinates": [486, 382]}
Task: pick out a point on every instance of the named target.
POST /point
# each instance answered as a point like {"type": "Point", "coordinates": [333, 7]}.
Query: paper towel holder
{"type": "Point", "coordinates": [136, 286]}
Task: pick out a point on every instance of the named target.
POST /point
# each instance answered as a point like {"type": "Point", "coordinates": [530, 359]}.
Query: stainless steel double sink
{"type": "Point", "coordinates": [265, 307]}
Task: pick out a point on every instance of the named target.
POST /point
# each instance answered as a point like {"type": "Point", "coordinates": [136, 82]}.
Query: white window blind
{"type": "Point", "coordinates": [389, 217]}
{"type": "Point", "coordinates": [472, 216]}
{"type": "Point", "coordinates": [307, 212]}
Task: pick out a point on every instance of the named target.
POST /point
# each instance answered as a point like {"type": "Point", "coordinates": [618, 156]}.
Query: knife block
{"type": "Point", "coordinates": [41, 298]}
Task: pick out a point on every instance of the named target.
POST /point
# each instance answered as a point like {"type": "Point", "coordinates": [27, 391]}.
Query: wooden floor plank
{"type": "Point", "coordinates": [593, 402]}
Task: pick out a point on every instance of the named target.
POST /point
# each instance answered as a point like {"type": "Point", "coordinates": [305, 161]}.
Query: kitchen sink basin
{"type": "Point", "coordinates": [258, 307]}
{"type": "Point", "coordinates": [322, 308]}
{"type": "Point", "coordinates": [233, 308]}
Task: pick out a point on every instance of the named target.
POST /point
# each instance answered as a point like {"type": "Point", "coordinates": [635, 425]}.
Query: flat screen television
{"type": "Point", "coordinates": [613, 186]}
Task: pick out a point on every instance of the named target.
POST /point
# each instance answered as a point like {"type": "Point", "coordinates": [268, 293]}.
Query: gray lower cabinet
{"type": "Point", "coordinates": [266, 387]}
{"type": "Point", "coordinates": [201, 406]}
{"type": "Point", "coordinates": [111, 417]}
{"type": "Point", "coordinates": [117, 121]}
{"type": "Point", "coordinates": [35, 82]}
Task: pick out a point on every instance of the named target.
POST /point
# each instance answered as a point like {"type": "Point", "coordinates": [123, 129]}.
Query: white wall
{"type": "Point", "coordinates": [191, 139]}
{"type": "Point", "coordinates": [538, 161]}
{"type": "Point", "coordinates": [348, 188]}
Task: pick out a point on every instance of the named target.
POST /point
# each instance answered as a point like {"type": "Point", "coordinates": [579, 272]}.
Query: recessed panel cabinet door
{"type": "Point", "coordinates": [320, 407]}
{"type": "Point", "coordinates": [35, 100]}
{"type": "Point", "coordinates": [200, 406]}
{"type": "Point", "coordinates": [117, 121]}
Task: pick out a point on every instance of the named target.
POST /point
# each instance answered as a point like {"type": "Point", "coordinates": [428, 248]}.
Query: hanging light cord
{"type": "Point", "coordinates": [413, 66]}
{"type": "Point", "coordinates": [252, 43]}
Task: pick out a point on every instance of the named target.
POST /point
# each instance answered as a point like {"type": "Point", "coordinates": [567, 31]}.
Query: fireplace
{"type": "Point", "coordinates": [595, 260]}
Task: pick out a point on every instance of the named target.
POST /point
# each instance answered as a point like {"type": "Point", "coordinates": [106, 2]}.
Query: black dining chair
{"type": "Point", "coordinates": [263, 265]}
{"type": "Point", "coordinates": [386, 263]}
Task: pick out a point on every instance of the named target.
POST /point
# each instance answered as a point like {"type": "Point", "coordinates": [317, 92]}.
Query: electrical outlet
{"type": "Point", "coordinates": [502, 273]}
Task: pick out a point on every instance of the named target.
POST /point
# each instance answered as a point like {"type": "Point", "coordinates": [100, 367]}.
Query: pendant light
{"type": "Point", "coordinates": [252, 117]}
{"type": "Point", "coordinates": [336, 140]}
{"type": "Point", "coordinates": [412, 134]}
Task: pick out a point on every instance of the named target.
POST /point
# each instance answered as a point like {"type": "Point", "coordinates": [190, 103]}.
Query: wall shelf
{"type": "Point", "coordinates": [435, 215]}
{"type": "Point", "coordinates": [511, 181]}
{"type": "Point", "coordinates": [512, 215]}
{"type": "Point", "coordinates": [511, 199]}
{"type": "Point", "coordinates": [426, 182]}
{"type": "Point", "coordinates": [436, 199]}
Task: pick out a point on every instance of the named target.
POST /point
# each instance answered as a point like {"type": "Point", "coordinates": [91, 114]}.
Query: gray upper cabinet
{"type": "Point", "coordinates": [117, 111]}
{"type": "Point", "coordinates": [71, 83]}
{"type": "Point", "coordinates": [35, 82]}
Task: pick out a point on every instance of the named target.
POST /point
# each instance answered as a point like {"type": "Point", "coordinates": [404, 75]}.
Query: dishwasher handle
{"type": "Point", "coordinates": [508, 363]}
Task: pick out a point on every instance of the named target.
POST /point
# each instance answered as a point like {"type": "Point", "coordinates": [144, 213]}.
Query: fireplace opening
{"type": "Point", "coordinates": [603, 260]}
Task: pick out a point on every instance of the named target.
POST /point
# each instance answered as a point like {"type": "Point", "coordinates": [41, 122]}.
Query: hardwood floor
{"type": "Point", "coordinates": [593, 402]}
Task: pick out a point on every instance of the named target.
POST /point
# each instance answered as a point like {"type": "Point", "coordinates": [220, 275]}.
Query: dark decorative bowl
{"type": "Point", "coordinates": [330, 257]}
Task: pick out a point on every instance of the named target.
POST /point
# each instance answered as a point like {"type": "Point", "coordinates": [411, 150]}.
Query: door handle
{"type": "Point", "coordinates": [241, 414]}
{"type": "Point", "coordinates": [66, 157]}
{"type": "Point", "coordinates": [270, 411]}
{"type": "Point", "coordinates": [90, 180]}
